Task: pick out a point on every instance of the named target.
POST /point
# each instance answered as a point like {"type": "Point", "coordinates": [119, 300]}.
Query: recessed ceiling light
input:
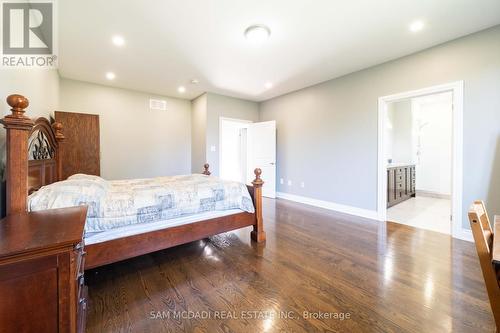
{"type": "Point", "coordinates": [416, 26]}
{"type": "Point", "coordinates": [110, 75]}
{"type": "Point", "coordinates": [118, 40]}
{"type": "Point", "coordinates": [181, 89]}
{"type": "Point", "coordinates": [268, 85]}
{"type": "Point", "coordinates": [195, 81]}
{"type": "Point", "coordinates": [257, 33]}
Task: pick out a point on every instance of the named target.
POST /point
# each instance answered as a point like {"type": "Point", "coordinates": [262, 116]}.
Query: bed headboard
{"type": "Point", "coordinates": [34, 153]}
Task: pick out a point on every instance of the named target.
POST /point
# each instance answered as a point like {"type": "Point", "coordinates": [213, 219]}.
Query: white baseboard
{"type": "Point", "coordinates": [464, 234]}
{"type": "Point", "coordinates": [430, 194]}
{"type": "Point", "coordinates": [366, 213]}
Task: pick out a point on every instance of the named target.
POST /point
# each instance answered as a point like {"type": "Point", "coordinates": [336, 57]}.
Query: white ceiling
{"type": "Point", "coordinates": [170, 42]}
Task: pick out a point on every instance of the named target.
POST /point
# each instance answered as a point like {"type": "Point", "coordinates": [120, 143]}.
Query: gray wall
{"type": "Point", "coordinates": [135, 141]}
{"type": "Point", "coordinates": [207, 110]}
{"type": "Point", "coordinates": [327, 133]}
{"type": "Point", "coordinates": [198, 133]}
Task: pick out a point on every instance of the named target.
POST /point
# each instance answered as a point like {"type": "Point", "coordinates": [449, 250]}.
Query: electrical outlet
{"type": "Point", "coordinates": [289, 183]}
{"type": "Point", "coordinates": [282, 181]}
{"type": "Point", "coordinates": [302, 184]}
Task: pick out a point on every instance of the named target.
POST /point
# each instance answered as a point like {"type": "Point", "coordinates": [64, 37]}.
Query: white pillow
{"type": "Point", "coordinates": [91, 179]}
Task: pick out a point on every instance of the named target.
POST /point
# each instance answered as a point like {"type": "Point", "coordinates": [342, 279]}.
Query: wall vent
{"type": "Point", "coordinates": [158, 104]}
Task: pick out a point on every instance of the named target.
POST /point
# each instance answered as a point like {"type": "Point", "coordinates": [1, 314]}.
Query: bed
{"type": "Point", "coordinates": [125, 218]}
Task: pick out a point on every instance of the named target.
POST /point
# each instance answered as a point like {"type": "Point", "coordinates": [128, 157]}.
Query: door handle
{"type": "Point", "coordinates": [272, 163]}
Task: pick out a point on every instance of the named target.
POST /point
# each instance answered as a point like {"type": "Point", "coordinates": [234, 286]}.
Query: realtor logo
{"type": "Point", "coordinates": [28, 34]}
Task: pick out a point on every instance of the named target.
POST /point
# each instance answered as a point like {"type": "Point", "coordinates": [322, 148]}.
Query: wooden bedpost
{"type": "Point", "coordinates": [18, 128]}
{"type": "Point", "coordinates": [258, 233]}
{"type": "Point", "coordinates": [58, 130]}
{"type": "Point", "coordinates": [206, 172]}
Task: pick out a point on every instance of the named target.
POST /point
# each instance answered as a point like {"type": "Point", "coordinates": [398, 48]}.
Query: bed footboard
{"type": "Point", "coordinates": [258, 233]}
{"type": "Point", "coordinates": [255, 191]}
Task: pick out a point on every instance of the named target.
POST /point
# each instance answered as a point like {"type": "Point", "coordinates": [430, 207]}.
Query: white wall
{"type": "Point", "coordinates": [400, 139]}
{"type": "Point", "coordinates": [40, 86]}
{"type": "Point", "coordinates": [135, 141]}
{"type": "Point", "coordinates": [433, 129]}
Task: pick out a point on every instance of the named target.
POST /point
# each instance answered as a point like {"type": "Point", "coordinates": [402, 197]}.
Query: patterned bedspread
{"type": "Point", "coordinates": [114, 204]}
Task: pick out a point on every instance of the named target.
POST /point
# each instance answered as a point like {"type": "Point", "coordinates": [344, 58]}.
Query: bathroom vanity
{"type": "Point", "coordinates": [400, 183]}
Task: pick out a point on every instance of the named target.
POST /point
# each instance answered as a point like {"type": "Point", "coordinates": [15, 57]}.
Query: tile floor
{"type": "Point", "coordinates": [423, 212]}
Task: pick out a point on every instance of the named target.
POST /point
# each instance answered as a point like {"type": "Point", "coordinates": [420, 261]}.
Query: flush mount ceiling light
{"type": "Point", "coordinates": [181, 89]}
{"type": "Point", "coordinates": [416, 26]}
{"type": "Point", "coordinates": [268, 85]}
{"type": "Point", "coordinates": [257, 33]}
{"type": "Point", "coordinates": [110, 75]}
{"type": "Point", "coordinates": [118, 40]}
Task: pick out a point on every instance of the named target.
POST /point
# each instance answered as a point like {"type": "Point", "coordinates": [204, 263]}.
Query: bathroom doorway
{"type": "Point", "coordinates": [420, 159]}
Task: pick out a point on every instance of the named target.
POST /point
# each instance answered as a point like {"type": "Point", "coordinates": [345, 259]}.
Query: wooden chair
{"type": "Point", "coordinates": [483, 237]}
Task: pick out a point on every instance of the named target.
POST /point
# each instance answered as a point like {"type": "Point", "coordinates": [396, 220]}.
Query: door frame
{"type": "Point", "coordinates": [221, 120]}
{"type": "Point", "coordinates": [457, 88]}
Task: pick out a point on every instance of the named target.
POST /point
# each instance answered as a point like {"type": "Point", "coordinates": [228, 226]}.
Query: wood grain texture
{"type": "Point", "coordinates": [389, 277]}
{"type": "Point", "coordinates": [496, 241]}
{"type": "Point", "coordinates": [39, 284]}
{"type": "Point", "coordinates": [484, 241]}
{"type": "Point", "coordinates": [17, 126]}
{"type": "Point", "coordinates": [114, 250]}
{"type": "Point", "coordinates": [82, 142]}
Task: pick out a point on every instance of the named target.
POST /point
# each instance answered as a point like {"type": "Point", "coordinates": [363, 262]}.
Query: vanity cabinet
{"type": "Point", "coordinates": [400, 183]}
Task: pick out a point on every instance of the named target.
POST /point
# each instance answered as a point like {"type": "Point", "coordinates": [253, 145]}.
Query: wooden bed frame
{"type": "Point", "coordinates": [35, 151]}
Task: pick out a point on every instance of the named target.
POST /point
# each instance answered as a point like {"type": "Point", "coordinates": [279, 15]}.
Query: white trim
{"type": "Point", "coordinates": [464, 234]}
{"type": "Point", "coordinates": [366, 213]}
{"type": "Point", "coordinates": [458, 231]}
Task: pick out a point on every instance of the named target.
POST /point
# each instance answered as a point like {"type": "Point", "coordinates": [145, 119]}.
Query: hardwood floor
{"type": "Point", "coordinates": [377, 277]}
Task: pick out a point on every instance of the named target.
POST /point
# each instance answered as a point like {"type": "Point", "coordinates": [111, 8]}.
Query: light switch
{"type": "Point", "coordinates": [212, 148]}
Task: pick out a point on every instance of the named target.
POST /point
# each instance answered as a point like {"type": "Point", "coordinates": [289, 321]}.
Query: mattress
{"type": "Point", "coordinates": [120, 203]}
{"type": "Point", "coordinates": [135, 229]}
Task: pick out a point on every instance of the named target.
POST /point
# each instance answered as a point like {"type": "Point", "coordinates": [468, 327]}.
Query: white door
{"type": "Point", "coordinates": [261, 138]}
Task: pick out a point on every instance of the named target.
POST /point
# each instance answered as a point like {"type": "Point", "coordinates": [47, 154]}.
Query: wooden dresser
{"type": "Point", "coordinates": [400, 183]}
{"type": "Point", "coordinates": [41, 271]}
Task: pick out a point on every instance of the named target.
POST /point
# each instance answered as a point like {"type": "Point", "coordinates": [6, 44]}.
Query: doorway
{"type": "Point", "coordinates": [245, 146]}
{"type": "Point", "coordinates": [233, 149]}
{"type": "Point", "coordinates": [420, 159]}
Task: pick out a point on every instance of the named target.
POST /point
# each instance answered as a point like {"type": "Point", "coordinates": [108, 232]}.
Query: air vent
{"type": "Point", "coordinates": [158, 104]}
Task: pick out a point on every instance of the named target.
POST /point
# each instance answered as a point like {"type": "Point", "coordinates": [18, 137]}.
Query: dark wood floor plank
{"type": "Point", "coordinates": [387, 277]}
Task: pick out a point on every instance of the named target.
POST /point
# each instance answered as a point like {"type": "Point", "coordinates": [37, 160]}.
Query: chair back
{"type": "Point", "coordinates": [483, 237]}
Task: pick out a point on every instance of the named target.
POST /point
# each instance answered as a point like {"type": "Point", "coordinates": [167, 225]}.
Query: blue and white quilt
{"type": "Point", "coordinates": [114, 204]}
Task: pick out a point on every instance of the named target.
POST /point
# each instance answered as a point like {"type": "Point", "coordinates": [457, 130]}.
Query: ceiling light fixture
{"type": "Point", "coordinates": [416, 26]}
{"type": "Point", "coordinates": [118, 40]}
{"type": "Point", "coordinates": [181, 89]}
{"type": "Point", "coordinates": [257, 33]}
{"type": "Point", "coordinates": [110, 75]}
{"type": "Point", "coordinates": [268, 85]}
